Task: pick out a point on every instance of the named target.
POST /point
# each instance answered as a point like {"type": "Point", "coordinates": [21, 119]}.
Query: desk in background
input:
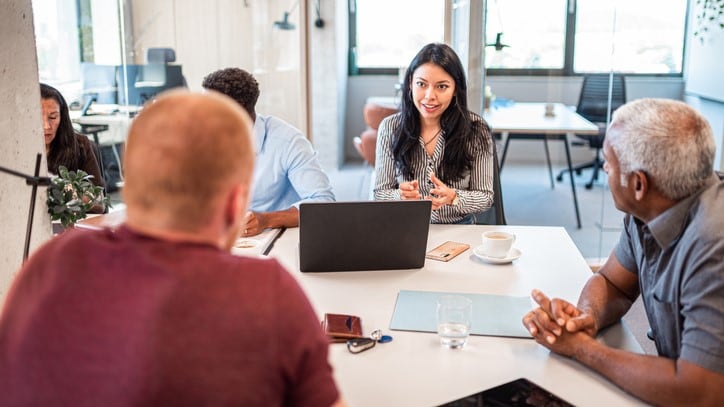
{"type": "Point", "coordinates": [413, 369]}
{"type": "Point", "coordinates": [528, 121]}
{"type": "Point", "coordinates": [109, 129]}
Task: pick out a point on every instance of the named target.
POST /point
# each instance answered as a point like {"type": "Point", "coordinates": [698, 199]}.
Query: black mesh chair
{"type": "Point", "coordinates": [593, 105]}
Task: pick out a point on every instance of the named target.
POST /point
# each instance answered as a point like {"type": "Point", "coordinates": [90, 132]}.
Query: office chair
{"type": "Point", "coordinates": [366, 143]}
{"type": "Point", "coordinates": [160, 55]}
{"type": "Point", "coordinates": [593, 105]}
{"type": "Point", "coordinates": [495, 215]}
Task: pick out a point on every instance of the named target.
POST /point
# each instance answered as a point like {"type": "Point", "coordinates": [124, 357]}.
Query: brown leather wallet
{"type": "Point", "coordinates": [340, 327]}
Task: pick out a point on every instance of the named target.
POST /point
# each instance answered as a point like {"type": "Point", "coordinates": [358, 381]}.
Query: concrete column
{"type": "Point", "coordinates": [21, 138]}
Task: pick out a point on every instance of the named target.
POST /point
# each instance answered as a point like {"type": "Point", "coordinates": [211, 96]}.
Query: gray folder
{"type": "Point", "coordinates": [493, 315]}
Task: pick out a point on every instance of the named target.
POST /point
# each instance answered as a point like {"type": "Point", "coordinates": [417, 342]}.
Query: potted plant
{"type": "Point", "coordinates": [709, 13]}
{"type": "Point", "coordinates": [72, 194]}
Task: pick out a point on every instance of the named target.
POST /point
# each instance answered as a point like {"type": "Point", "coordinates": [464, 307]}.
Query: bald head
{"type": "Point", "coordinates": [185, 153]}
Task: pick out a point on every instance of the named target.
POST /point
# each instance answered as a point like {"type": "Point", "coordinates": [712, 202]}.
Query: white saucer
{"type": "Point", "coordinates": [512, 255]}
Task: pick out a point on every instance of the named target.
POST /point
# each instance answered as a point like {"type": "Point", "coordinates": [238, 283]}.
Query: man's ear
{"type": "Point", "coordinates": [640, 184]}
{"type": "Point", "coordinates": [236, 204]}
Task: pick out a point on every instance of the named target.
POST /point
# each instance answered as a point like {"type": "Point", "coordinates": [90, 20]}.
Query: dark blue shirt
{"type": "Point", "coordinates": [679, 259]}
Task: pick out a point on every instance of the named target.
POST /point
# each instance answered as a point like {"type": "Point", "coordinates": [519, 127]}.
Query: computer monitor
{"type": "Point", "coordinates": [146, 81]}
{"type": "Point", "coordinates": [99, 82]}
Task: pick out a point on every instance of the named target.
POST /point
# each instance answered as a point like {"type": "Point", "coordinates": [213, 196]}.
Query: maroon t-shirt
{"type": "Point", "coordinates": [117, 319]}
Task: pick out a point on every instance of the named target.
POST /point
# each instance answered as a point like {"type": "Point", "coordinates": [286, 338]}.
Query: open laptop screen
{"type": "Point", "coordinates": [366, 235]}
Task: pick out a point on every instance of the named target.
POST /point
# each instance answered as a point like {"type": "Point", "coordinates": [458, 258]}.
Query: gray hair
{"type": "Point", "coordinates": [668, 140]}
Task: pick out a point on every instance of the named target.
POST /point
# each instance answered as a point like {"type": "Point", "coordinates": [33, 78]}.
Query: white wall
{"type": "Point", "coordinates": [324, 89]}
{"type": "Point", "coordinates": [21, 139]}
{"type": "Point", "coordinates": [705, 79]}
{"type": "Point", "coordinates": [714, 113]}
{"type": "Point", "coordinates": [216, 34]}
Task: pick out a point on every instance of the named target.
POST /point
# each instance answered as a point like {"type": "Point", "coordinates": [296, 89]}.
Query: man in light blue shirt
{"type": "Point", "coordinates": [287, 171]}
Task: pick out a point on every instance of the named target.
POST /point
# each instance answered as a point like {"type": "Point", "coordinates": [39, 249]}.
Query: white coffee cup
{"type": "Point", "coordinates": [497, 244]}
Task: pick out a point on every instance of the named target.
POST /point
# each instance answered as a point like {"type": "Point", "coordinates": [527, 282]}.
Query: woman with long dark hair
{"type": "Point", "coordinates": [63, 146]}
{"type": "Point", "coordinates": [434, 148]}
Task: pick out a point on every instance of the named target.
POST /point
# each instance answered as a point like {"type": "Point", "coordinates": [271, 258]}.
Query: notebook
{"type": "Point", "coordinates": [365, 235]}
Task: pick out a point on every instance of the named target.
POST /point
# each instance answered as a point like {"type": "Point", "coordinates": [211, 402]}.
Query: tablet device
{"type": "Point", "coordinates": [520, 392]}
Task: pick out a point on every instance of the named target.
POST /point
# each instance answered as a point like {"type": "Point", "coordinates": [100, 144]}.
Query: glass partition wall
{"type": "Point", "coordinates": [546, 61]}
{"type": "Point", "coordinates": [109, 57]}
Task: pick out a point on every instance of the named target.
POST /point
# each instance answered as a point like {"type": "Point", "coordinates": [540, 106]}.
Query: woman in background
{"type": "Point", "coordinates": [434, 148]}
{"type": "Point", "coordinates": [63, 146]}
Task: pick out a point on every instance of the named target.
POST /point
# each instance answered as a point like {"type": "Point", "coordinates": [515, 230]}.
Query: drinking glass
{"type": "Point", "coordinates": [454, 317]}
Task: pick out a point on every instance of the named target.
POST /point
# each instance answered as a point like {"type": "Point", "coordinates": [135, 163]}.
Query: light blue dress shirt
{"type": "Point", "coordinates": [287, 170]}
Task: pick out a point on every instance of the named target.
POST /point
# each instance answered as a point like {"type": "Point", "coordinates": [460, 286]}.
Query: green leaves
{"type": "Point", "coordinates": [708, 13]}
{"type": "Point", "coordinates": [72, 194]}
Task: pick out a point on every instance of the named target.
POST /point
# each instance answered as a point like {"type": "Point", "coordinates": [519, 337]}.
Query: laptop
{"type": "Point", "coordinates": [365, 235]}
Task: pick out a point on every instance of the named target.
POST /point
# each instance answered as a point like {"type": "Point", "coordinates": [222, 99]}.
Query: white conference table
{"type": "Point", "coordinates": [413, 369]}
{"type": "Point", "coordinates": [528, 121]}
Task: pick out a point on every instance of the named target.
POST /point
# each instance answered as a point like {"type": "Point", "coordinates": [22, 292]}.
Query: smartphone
{"type": "Point", "coordinates": [447, 251]}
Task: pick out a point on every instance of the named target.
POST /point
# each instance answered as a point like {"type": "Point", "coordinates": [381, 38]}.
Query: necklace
{"type": "Point", "coordinates": [433, 138]}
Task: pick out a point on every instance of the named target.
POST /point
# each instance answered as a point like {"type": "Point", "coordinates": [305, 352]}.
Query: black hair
{"type": "Point", "coordinates": [64, 149]}
{"type": "Point", "coordinates": [462, 134]}
{"type": "Point", "coordinates": [236, 83]}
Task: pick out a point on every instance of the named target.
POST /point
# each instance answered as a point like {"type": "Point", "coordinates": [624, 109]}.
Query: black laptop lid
{"type": "Point", "coordinates": [367, 235]}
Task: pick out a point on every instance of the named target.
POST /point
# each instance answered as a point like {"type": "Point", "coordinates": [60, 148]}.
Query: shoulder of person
{"type": "Point", "coordinates": [70, 245]}
{"type": "Point", "coordinates": [279, 128]}
{"type": "Point", "coordinates": [475, 117]}
{"type": "Point", "coordinates": [275, 122]}
{"type": "Point", "coordinates": [708, 222]}
{"type": "Point", "coordinates": [84, 144]}
{"type": "Point", "coordinates": [83, 140]}
{"type": "Point", "coordinates": [391, 121]}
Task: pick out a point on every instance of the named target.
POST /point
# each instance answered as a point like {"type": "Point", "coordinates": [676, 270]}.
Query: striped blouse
{"type": "Point", "coordinates": [475, 189]}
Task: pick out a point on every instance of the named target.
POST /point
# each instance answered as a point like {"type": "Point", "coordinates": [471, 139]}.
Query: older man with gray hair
{"type": "Point", "coordinates": [659, 159]}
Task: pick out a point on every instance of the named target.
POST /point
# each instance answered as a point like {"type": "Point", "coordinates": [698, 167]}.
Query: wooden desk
{"type": "Point", "coordinates": [528, 121]}
{"type": "Point", "coordinates": [413, 369]}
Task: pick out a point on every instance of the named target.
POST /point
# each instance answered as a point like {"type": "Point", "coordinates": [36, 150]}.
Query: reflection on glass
{"type": "Point", "coordinates": [534, 30]}
{"type": "Point", "coordinates": [645, 41]}
{"type": "Point", "coordinates": [415, 22]}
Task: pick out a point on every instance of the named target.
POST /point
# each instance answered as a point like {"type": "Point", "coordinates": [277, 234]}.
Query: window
{"type": "Point", "coordinates": [644, 41]}
{"type": "Point", "coordinates": [585, 36]}
{"type": "Point", "coordinates": [69, 32]}
{"type": "Point", "coordinates": [533, 39]}
{"type": "Point", "coordinates": [375, 48]}
{"type": "Point", "coordinates": [56, 36]}
{"type": "Point", "coordinates": [551, 37]}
